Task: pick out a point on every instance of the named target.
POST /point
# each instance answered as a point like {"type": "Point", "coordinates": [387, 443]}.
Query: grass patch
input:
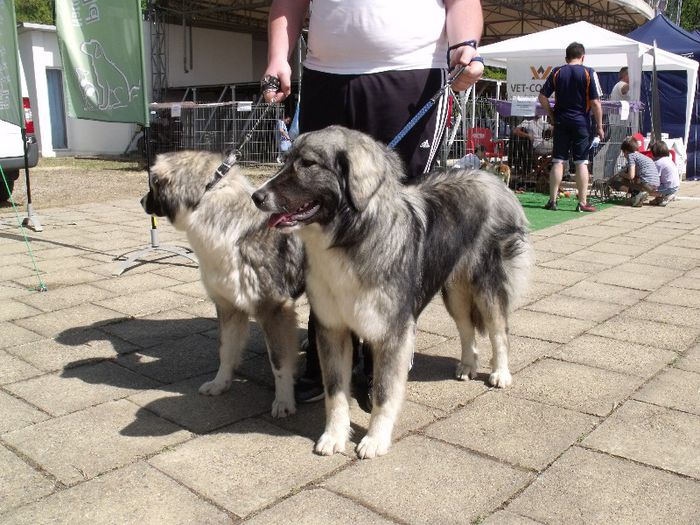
{"type": "Point", "coordinates": [88, 164]}
{"type": "Point", "coordinates": [533, 204]}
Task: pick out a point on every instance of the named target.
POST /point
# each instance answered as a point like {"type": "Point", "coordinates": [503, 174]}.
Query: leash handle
{"type": "Point", "coordinates": [268, 83]}
{"type": "Point", "coordinates": [421, 113]}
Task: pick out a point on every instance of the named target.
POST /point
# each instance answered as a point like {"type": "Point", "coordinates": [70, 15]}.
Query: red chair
{"type": "Point", "coordinates": [482, 137]}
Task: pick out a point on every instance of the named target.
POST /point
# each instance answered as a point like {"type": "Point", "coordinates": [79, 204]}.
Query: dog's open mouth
{"type": "Point", "coordinates": [289, 219]}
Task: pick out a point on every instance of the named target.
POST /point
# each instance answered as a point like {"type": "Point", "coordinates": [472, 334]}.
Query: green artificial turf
{"type": "Point", "coordinates": [533, 204]}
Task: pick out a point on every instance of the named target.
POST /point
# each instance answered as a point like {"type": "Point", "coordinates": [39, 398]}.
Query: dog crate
{"type": "Point", "coordinates": [216, 127]}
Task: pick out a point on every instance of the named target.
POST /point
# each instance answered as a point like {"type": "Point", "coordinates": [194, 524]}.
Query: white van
{"type": "Point", "coordinates": [11, 146]}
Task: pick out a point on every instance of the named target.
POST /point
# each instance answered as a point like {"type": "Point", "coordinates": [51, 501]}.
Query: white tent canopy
{"type": "Point", "coordinates": [605, 51]}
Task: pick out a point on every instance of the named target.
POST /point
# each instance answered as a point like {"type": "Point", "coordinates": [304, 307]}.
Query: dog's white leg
{"type": "Point", "coordinates": [391, 364]}
{"type": "Point", "coordinates": [280, 329]}
{"type": "Point", "coordinates": [335, 354]}
{"type": "Point", "coordinates": [500, 375]}
{"type": "Point", "coordinates": [233, 334]}
{"type": "Point", "coordinates": [458, 303]}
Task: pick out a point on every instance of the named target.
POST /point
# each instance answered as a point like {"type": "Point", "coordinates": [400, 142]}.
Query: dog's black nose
{"type": "Point", "coordinates": [259, 197]}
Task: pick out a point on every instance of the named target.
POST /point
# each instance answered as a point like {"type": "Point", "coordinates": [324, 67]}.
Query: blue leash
{"type": "Point", "coordinates": [428, 105]}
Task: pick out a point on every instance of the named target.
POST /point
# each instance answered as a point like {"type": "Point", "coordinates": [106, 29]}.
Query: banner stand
{"type": "Point", "coordinates": [134, 258]}
{"type": "Point", "coordinates": [31, 221]}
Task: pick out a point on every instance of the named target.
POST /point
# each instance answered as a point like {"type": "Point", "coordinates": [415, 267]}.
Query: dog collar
{"type": "Point", "coordinates": [222, 170]}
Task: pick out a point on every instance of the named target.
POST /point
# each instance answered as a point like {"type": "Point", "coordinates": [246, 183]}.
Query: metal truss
{"type": "Point", "coordinates": [511, 18]}
{"type": "Point", "coordinates": [159, 76]}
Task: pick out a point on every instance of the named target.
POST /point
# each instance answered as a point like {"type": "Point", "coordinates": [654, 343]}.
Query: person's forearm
{"type": "Point", "coordinates": [544, 102]}
{"type": "Point", "coordinates": [284, 27]}
{"type": "Point", "coordinates": [598, 116]}
{"type": "Point", "coordinates": [464, 21]}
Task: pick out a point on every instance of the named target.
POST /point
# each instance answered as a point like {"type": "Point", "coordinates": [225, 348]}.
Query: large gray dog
{"type": "Point", "coordinates": [246, 268]}
{"type": "Point", "coordinates": [378, 250]}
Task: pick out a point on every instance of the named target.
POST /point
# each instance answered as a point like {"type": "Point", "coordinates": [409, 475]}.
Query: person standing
{"type": "Point", "coordinates": [577, 92]}
{"type": "Point", "coordinates": [283, 139]}
{"type": "Point", "coordinates": [371, 65]}
{"type": "Point", "coordinates": [617, 127]}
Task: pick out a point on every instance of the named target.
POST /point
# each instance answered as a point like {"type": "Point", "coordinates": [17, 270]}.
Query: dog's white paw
{"type": "Point", "coordinates": [283, 408]}
{"type": "Point", "coordinates": [501, 378]}
{"type": "Point", "coordinates": [214, 387]}
{"type": "Point", "coordinates": [372, 447]}
{"type": "Point", "coordinates": [328, 444]}
{"type": "Point", "coordinates": [465, 371]}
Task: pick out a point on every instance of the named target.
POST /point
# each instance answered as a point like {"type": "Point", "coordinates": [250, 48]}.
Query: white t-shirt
{"type": "Point", "coordinates": [616, 93]}
{"type": "Point", "coordinates": [368, 36]}
{"type": "Point", "coordinates": [536, 127]}
{"type": "Point", "coordinates": [668, 173]}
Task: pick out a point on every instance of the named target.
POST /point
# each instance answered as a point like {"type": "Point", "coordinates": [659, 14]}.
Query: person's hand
{"type": "Point", "coordinates": [600, 132]}
{"type": "Point", "coordinates": [283, 72]}
{"type": "Point", "coordinates": [462, 56]}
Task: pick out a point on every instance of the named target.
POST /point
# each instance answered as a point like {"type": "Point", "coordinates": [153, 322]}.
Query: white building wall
{"type": "Point", "coordinates": [218, 57]}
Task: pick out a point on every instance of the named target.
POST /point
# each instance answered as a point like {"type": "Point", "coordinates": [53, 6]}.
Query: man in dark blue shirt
{"type": "Point", "coordinates": [576, 92]}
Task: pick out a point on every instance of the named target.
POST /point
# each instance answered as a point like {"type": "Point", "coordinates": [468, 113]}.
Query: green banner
{"type": "Point", "coordinates": [101, 43]}
{"type": "Point", "coordinates": [10, 87]}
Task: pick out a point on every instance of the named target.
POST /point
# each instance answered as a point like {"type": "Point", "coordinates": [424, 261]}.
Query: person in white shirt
{"type": "Point", "coordinates": [616, 126]}
{"type": "Point", "coordinates": [669, 178]}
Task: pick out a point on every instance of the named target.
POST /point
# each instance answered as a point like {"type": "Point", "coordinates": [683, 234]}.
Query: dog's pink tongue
{"type": "Point", "coordinates": [275, 219]}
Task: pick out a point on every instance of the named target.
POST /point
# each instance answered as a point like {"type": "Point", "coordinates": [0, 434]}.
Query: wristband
{"type": "Point", "coordinates": [470, 43]}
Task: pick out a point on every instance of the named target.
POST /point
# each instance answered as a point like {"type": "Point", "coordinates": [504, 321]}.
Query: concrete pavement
{"type": "Point", "coordinates": [100, 420]}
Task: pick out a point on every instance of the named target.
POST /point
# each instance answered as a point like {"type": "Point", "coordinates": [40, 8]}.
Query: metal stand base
{"type": "Point", "coordinates": [32, 221]}
{"type": "Point", "coordinates": [133, 259]}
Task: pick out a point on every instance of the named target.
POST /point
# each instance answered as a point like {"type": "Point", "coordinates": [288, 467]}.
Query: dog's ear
{"type": "Point", "coordinates": [362, 173]}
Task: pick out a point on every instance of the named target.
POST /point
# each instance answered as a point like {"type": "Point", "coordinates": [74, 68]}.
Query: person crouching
{"type": "Point", "coordinates": [669, 178]}
{"type": "Point", "coordinates": [640, 177]}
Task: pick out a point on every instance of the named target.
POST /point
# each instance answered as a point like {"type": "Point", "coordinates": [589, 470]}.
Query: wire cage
{"type": "Point", "coordinates": [529, 159]}
{"type": "Point", "coordinates": [216, 127]}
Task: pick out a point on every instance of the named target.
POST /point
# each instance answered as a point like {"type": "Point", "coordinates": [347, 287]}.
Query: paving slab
{"type": "Point", "coordinates": [589, 289]}
{"type": "Point", "coordinates": [426, 481]}
{"type": "Point", "coordinates": [650, 434]}
{"type": "Point", "coordinates": [12, 309]}
{"type": "Point", "coordinates": [552, 275]}
{"type": "Point", "coordinates": [131, 283]}
{"type": "Point", "coordinates": [677, 296]}
{"type": "Point", "coordinates": [19, 483]}
{"type": "Point", "coordinates": [503, 517]}
{"type": "Point", "coordinates": [573, 386]}
{"type": "Point", "coordinates": [585, 487]}
{"type": "Point", "coordinates": [84, 444]}
{"type": "Point", "coordinates": [690, 361]}
{"type": "Point", "coordinates": [577, 308]}
{"type": "Point", "coordinates": [616, 355]}
{"type": "Point", "coordinates": [13, 369]}
{"type": "Point", "coordinates": [247, 466]}
{"type": "Point", "coordinates": [310, 420]}
{"type": "Point", "coordinates": [673, 388]}
{"type": "Point", "coordinates": [13, 335]}
{"type": "Point", "coordinates": [51, 324]}
{"type": "Point", "coordinates": [518, 431]}
{"type": "Point", "coordinates": [79, 387]}
{"type": "Point", "coordinates": [151, 330]}
{"type": "Point", "coordinates": [82, 347]}
{"type": "Point", "coordinates": [175, 360]}
{"type": "Point", "coordinates": [59, 298]}
{"type": "Point", "coordinates": [667, 313]}
{"type": "Point", "coordinates": [147, 302]}
{"type": "Point", "coordinates": [59, 277]}
{"type": "Point", "coordinates": [646, 332]}
{"type": "Point", "coordinates": [689, 281]}
{"type": "Point", "coordinates": [317, 506]}
{"type": "Point", "coordinates": [137, 494]}
{"type": "Point", "coordinates": [638, 276]}
{"type": "Point", "coordinates": [16, 414]}
{"type": "Point", "coordinates": [182, 404]}
{"type": "Point", "coordinates": [548, 327]}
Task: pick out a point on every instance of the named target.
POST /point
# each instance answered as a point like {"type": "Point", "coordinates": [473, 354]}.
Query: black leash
{"type": "Point", "coordinates": [268, 83]}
